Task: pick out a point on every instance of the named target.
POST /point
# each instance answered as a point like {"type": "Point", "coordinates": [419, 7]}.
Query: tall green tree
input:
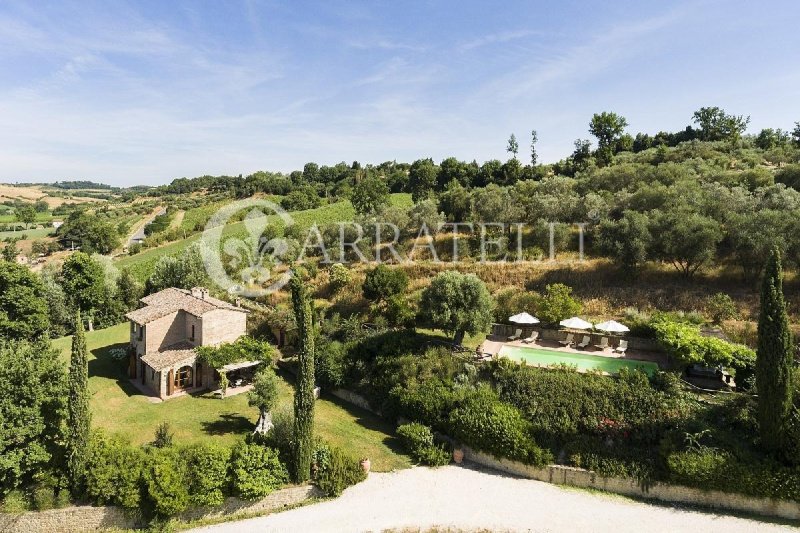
{"type": "Point", "coordinates": [534, 155]}
{"type": "Point", "coordinates": [84, 282]}
{"type": "Point", "coordinates": [370, 195]}
{"type": "Point", "coordinates": [78, 414]}
{"type": "Point", "coordinates": [717, 125]}
{"type": "Point", "coordinates": [25, 214]}
{"type": "Point", "coordinates": [627, 240]}
{"type": "Point", "coordinates": [608, 128]}
{"type": "Point", "coordinates": [32, 392]}
{"type": "Point", "coordinates": [23, 308]}
{"type": "Point", "coordinates": [264, 396]}
{"type": "Point", "coordinates": [422, 178]}
{"type": "Point", "coordinates": [773, 358]}
{"type": "Point", "coordinates": [457, 303]}
{"type": "Point", "coordinates": [128, 289]}
{"type": "Point", "coordinates": [91, 233]}
{"type": "Point", "coordinates": [513, 146]}
{"type": "Point", "coordinates": [304, 388]}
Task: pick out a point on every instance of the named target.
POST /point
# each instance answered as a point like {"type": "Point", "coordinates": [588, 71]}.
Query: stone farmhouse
{"type": "Point", "coordinates": [168, 327]}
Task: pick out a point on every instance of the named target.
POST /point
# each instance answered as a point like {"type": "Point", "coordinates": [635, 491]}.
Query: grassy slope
{"type": "Point", "coordinates": [118, 407]}
{"type": "Point", "coordinates": [142, 264]}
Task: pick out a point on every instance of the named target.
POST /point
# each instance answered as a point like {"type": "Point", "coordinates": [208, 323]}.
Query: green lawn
{"type": "Point", "coordinates": [9, 216]}
{"type": "Point", "coordinates": [141, 264]}
{"type": "Point", "coordinates": [118, 407]}
{"type": "Point", "coordinates": [36, 233]}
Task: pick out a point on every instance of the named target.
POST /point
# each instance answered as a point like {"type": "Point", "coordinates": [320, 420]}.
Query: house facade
{"type": "Point", "coordinates": [168, 327]}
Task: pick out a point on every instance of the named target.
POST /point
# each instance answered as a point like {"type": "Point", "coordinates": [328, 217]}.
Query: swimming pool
{"type": "Point", "coordinates": [583, 361]}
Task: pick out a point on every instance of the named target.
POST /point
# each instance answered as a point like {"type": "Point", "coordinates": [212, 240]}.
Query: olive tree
{"type": "Point", "coordinates": [457, 303]}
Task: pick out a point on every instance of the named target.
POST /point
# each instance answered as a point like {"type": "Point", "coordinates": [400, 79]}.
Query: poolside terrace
{"type": "Point", "coordinates": [549, 339]}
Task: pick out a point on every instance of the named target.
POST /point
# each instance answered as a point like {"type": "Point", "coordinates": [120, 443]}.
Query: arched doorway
{"type": "Point", "coordinates": [183, 378]}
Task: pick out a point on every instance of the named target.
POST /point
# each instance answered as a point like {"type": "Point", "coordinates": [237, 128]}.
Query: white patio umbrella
{"type": "Point", "coordinates": [523, 318]}
{"type": "Point", "coordinates": [612, 326]}
{"type": "Point", "coordinates": [575, 323]}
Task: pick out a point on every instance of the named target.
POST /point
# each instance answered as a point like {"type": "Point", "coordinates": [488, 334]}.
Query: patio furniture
{"type": "Point", "coordinates": [603, 344]}
{"type": "Point", "coordinates": [612, 326]}
{"type": "Point", "coordinates": [575, 323]}
{"type": "Point", "coordinates": [523, 318]}
{"type": "Point", "coordinates": [517, 334]}
{"type": "Point", "coordinates": [584, 343]}
{"type": "Point", "coordinates": [532, 338]}
{"type": "Point", "coordinates": [569, 340]}
{"type": "Point", "coordinates": [623, 345]}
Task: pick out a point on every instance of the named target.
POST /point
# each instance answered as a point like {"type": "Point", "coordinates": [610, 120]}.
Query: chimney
{"type": "Point", "coordinates": [238, 302]}
{"type": "Point", "coordinates": [199, 292]}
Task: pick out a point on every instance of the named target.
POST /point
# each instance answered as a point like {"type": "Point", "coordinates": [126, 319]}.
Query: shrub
{"type": "Point", "coordinates": [329, 364]}
{"type": "Point", "coordinates": [685, 343]}
{"type": "Point", "coordinates": [429, 401]}
{"type": "Point", "coordinates": [113, 472]}
{"type": "Point", "coordinates": [418, 440]}
{"type": "Point", "coordinates": [339, 277]}
{"type": "Point", "coordinates": [14, 502]}
{"type": "Point", "coordinates": [721, 307]}
{"type": "Point", "coordinates": [557, 304]}
{"type": "Point", "coordinates": [487, 424]}
{"type": "Point", "coordinates": [256, 471]}
{"type": "Point", "coordinates": [164, 435]}
{"type": "Point", "coordinates": [712, 469]}
{"type": "Point", "coordinates": [338, 471]}
{"type": "Point", "coordinates": [166, 477]}
{"type": "Point", "coordinates": [382, 283]}
{"type": "Point", "coordinates": [208, 474]}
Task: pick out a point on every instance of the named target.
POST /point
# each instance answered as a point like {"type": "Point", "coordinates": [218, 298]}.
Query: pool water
{"type": "Point", "coordinates": [584, 362]}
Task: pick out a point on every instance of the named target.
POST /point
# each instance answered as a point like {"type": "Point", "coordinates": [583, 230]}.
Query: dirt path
{"type": "Point", "coordinates": [177, 219]}
{"type": "Point", "coordinates": [136, 229]}
{"type": "Point", "coordinates": [469, 499]}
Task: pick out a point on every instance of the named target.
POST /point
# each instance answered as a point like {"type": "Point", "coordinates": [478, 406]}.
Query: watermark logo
{"type": "Point", "coordinates": [243, 259]}
{"type": "Point", "coordinates": [245, 253]}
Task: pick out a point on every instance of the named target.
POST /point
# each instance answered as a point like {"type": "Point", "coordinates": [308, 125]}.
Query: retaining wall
{"type": "Point", "coordinates": [85, 518]}
{"type": "Point", "coordinates": [551, 334]}
{"type": "Point", "coordinates": [578, 477]}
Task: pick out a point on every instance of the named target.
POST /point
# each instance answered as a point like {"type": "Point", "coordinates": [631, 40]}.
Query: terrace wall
{"type": "Point", "coordinates": [578, 477]}
{"type": "Point", "coordinates": [87, 518]}
{"type": "Point", "coordinates": [554, 335]}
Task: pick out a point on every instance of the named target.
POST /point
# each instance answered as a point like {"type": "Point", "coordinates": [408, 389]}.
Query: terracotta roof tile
{"type": "Point", "coordinates": [169, 356]}
{"type": "Point", "coordinates": [170, 300]}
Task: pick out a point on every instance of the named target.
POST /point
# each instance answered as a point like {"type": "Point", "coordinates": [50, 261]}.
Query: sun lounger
{"type": "Point", "coordinates": [532, 338]}
{"type": "Point", "coordinates": [584, 343]}
{"type": "Point", "coordinates": [569, 340]}
{"type": "Point", "coordinates": [603, 344]}
{"type": "Point", "coordinates": [623, 345]}
{"type": "Point", "coordinates": [517, 334]}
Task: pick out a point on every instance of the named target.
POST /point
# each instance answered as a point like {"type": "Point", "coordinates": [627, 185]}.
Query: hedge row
{"type": "Point", "coordinates": [170, 480]}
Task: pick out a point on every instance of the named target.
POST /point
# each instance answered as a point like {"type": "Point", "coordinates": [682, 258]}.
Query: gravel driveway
{"type": "Point", "coordinates": [470, 499]}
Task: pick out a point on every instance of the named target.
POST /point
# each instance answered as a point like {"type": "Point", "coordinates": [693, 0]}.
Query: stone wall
{"type": "Point", "coordinates": [86, 518]}
{"type": "Point", "coordinates": [554, 335]}
{"type": "Point", "coordinates": [577, 477]}
{"type": "Point", "coordinates": [223, 325]}
{"type": "Point", "coordinates": [164, 331]}
{"type": "Point", "coordinates": [355, 399]}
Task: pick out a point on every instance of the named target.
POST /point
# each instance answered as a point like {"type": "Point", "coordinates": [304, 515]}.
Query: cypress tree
{"type": "Point", "coordinates": [774, 357]}
{"type": "Point", "coordinates": [78, 414]}
{"type": "Point", "coordinates": [304, 388]}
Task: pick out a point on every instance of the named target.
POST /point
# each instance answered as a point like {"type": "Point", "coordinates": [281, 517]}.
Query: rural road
{"type": "Point", "coordinates": [468, 499]}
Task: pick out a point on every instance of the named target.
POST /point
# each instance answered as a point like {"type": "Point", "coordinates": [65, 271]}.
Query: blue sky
{"type": "Point", "coordinates": [143, 92]}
